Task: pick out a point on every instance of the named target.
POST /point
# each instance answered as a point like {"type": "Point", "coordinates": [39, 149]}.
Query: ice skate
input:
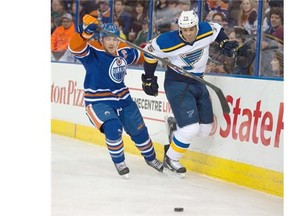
{"type": "Point", "coordinates": [122, 169]}
{"type": "Point", "coordinates": [170, 123]}
{"type": "Point", "coordinates": [156, 164]}
{"type": "Point", "coordinates": [173, 166]}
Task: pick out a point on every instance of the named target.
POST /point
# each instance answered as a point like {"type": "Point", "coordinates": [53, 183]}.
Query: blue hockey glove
{"type": "Point", "coordinates": [228, 48]}
{"type": "Point", "coordinates": [150, 85]}
{"type": "Point", "coordinates": [88, 27]}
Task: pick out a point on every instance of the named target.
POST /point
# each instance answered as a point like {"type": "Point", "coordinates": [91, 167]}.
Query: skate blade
{"type": "Point", "coordinates": [170, 173]}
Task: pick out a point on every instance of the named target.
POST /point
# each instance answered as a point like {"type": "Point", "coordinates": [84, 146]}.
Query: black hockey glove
{"type": "Point", "coordinates": [243, 50]}
{"type": "Point", "coordinates": [228, 48]}
{"type": "Point", "coordinates": [150, 85]}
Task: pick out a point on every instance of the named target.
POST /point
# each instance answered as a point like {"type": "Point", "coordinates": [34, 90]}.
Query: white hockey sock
{"type": "Point", "coordinates": [176, 149]}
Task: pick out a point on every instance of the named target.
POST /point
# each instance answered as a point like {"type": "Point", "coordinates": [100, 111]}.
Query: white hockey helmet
{"type": "Point", "coordinates": [188, 19]}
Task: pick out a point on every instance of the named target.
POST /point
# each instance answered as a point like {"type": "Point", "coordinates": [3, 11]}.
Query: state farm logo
{"type": "Point", "coordinates": [252, 125]}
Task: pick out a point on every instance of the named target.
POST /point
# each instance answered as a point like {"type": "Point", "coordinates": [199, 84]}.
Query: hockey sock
{"type": "Point", "coordinates": [144, 144]}
{"type": "Point", "coordinates": [113, 137]}
{"type": "Point", "coordinates": [176, 149]}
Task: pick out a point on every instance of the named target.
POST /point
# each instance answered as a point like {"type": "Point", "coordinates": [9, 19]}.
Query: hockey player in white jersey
{"type": "Point", "coordinates": [187, 47]}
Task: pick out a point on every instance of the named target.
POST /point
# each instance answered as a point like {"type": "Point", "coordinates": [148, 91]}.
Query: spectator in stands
{"type": "Point", "coordinates": [61, 36]}
{"type": "Point", "coordinates": [215, 6]}
{"type": "Point", "coordinates": [276, 20]}
{"type": "Point", "coordinates": [277, 64]}
{"type": "Point", "coordinates": [161, 5]}
{"type": "Point", "coordinates": [58, 10]}
{"type": "Point", "coordinates": [266, 9]}
{"type": "Point", "coordinates": [267, 6]}
{"type": "Point", "coordinates": [130, 5]}
{"type": "Point", "coordinates": [233, 13]}
{"type": "Point", "coordinates": [138, 15]}
{"type": "Point", "coordinates": [120, 13]}
{"type": "Point", "coordinates": [248, 16]}
{"type": "Point", "coordinates": [86, 7]}
{"type": "Point", "coordinates": [271, 64]}
{"type": "Point", "coordinates": [181, 5]}
{"type": "Point", "coordinates": [245, 59]}
{"type": "Point", "coordinates": [276, 3]}
{"type": "Point", "coordinates": [220, 63]}
{"type": "Point", "coordinates": [104, 11]}
{"type": "Point", "coordinates": [120, 24]}
{"type": "Point", "coordinates": [142, 36]}
{"type": "Point", "coordinates": [163, 21]}
{"type": "Point", "coordinates": [272, 41]}
{"type": "Point", "coordinates": [160, 11]}
{"type": "Point", "coordinates": [220, 18]}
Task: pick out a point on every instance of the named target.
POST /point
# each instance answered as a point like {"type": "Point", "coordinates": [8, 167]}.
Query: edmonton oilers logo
{"type": "Point", "coordinates": [117, 70]}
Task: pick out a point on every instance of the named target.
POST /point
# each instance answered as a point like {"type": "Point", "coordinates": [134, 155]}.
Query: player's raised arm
{"type": "Point", "coordinates": [85, 32]}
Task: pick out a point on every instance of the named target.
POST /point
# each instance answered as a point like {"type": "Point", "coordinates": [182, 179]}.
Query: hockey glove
{"type": "Point", "coordinates": [88, 27]}
{"type": "Point", "coordinates": [228, 48]}
{"type": "Point", "coordinates": [150, 85]}
{"type": "Point", "coordinates": [243, 50]}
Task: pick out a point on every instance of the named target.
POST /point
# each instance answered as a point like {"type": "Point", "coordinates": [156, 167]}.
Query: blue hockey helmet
{"type": "Point", "coordinates": [110, 27]}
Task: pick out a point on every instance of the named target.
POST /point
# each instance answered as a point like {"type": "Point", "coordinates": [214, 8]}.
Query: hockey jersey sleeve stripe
{"type": "Point", "coordinates": [150, 60]}
{"type": "Point", "coordinates": [169, 49]}
{"type": "Point", "coordinates": [199, 37]}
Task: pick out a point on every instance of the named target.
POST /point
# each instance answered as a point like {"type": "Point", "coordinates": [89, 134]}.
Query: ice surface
{"type": "Point", "coordinates": [86, 183]}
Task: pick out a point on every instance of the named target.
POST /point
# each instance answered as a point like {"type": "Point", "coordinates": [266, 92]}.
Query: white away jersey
{"type": "Point", "coordinates": [192, 57]}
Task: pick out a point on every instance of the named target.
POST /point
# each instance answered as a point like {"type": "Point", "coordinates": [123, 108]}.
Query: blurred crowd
{"type": "Point", "coordinates": [239, 18]}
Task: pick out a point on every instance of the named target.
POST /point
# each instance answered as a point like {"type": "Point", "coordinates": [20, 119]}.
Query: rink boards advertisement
{"type": "Point", "coordinates": [251, 134]}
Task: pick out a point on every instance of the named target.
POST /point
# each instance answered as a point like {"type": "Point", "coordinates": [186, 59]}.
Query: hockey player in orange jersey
{"type": "Point", "coordinates": [109, 105]}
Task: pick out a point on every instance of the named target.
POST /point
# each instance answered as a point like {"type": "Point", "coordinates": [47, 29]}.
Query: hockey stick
{"type": "Point", "coordinates": [218, 91]}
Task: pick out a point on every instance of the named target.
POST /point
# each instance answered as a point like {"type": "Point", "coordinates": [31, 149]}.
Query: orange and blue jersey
{"type": "Point", "coordinates": [104, 79]}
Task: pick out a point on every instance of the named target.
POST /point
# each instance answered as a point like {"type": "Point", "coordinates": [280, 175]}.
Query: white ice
{"type": "Point", "coordinates": [86, 183]}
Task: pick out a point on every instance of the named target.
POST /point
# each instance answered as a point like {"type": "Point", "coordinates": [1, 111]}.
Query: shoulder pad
{"type": "Point", "coordinates": [169, 41]}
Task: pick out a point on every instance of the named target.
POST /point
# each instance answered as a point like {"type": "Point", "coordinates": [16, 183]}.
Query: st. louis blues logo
{"type": "Point", "coordinates": [117, 70]}
{"type": "Point", "coordinates": [191, 58]}
{"type": "Point", "coordinates": [190, 113]}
